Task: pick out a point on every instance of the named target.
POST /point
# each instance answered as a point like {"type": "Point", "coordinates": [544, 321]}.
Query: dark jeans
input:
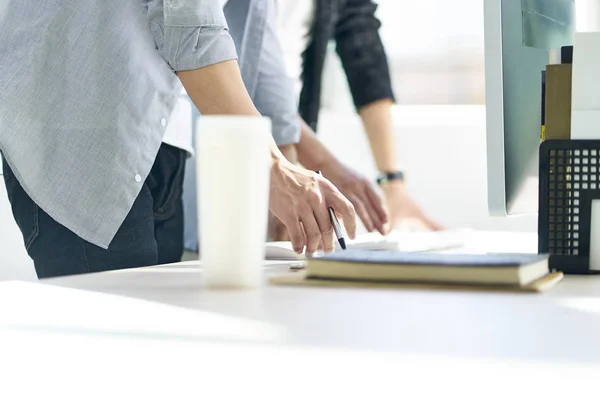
{"type": "Point", "coordinates": [151, 234]}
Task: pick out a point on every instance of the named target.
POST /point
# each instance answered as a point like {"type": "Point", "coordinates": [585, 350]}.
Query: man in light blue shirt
{"type": "Point", "coordinates": [87, 92]}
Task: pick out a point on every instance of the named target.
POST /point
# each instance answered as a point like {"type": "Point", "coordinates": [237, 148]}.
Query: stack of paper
{"type": "Point", "coordinates": [397, 240]}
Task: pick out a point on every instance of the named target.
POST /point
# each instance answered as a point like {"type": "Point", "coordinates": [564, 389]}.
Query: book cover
{"type": "Point", "coordinates": [437, 259]}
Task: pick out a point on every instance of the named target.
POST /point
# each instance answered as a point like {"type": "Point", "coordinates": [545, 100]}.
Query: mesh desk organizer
{"type": "Point", "coordinates": [569, 182]}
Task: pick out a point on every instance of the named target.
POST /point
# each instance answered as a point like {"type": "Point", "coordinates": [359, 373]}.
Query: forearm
{"type": "Point", "coordinates": [219, 90]}
{"type": "Point", "coordinates": [311, 153]}
{"type": "Point", "coordinates": [378, 124]}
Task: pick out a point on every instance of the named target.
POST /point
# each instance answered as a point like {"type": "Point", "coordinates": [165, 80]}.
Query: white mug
{"type": "Point", "coordinates": [233, 165]}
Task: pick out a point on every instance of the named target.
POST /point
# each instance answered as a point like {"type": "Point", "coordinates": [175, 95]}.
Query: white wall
{"type": "Point", "coordinates": [588, 15]}
{"type": "Point", "coordinates": [443, 150]}
{"type": "Point", "coordinates": [435, 50]}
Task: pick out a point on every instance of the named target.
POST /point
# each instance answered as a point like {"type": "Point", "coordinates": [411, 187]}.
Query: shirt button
{"type": "Point", "coordinates": [137, 178]}
{"type": "Point", "coordinates": [163, 122]}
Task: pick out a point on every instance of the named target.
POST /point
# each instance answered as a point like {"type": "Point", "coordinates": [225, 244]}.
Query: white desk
{"type": "Point", "coordinates": [281, 342]}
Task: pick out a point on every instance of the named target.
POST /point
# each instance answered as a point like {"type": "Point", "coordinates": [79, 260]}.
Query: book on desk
{"type": "Point", "coordinates": [521, 272]}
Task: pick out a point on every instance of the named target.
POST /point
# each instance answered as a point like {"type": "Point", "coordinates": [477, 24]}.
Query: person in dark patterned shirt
{"type": "Point", "coordinates": [306, 27]}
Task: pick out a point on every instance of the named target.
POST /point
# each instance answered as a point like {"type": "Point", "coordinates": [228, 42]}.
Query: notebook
{"type": "Point", "coordinates": [399, 241]}
{"type": "Point", "coordinates": [394, 266]}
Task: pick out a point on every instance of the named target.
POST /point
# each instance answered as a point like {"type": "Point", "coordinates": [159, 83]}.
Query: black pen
{"type": "Point", "coordinates": [337, 227]}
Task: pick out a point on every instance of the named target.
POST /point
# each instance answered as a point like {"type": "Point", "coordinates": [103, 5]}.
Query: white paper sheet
{"type": "Point", "coordinates": [401, 241]}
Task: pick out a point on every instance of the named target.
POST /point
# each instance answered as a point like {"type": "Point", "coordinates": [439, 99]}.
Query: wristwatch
{"type": "Point", "coordinates": [386, 177]}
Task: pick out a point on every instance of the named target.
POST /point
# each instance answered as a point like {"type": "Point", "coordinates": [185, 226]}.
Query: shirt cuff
{"type": "Point", "coordinates": [285, 132]}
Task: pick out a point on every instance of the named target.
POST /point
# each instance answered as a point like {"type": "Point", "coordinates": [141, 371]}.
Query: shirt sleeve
{"type": "Point", "coordinates": [194, 34]}
{"type": "Point", "coordinates": [274, 96]}
{"type": "Point", "coordinates": [362, 53]}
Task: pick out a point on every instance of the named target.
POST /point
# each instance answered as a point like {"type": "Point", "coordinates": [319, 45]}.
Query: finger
{"type": "Point", "coordinates": [313, 234]}
{"type": "Point", "coordinates": [373, 215]}
{"type": "Point", "coordinates": [327, 233]}
{"type": "Point", "coordinates": [303, 233]}
{"type": "Point", "coordinates": [378, 208]}
{"type": "Point", "coordinates": [321, 214]}
{"type": "Point", "coordinates": [433, 225]}
{"type": "Point", "coordinates": [362, 212]}
{"type": "Point", "coordinates": [296, 236]}
{"type": "Point", "coordinates": [370, 210]}
{"type": "Point", "coordinates": [346, 210]}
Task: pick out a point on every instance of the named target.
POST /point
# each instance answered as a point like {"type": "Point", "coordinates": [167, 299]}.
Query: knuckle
{"type": "Point", "coordinates": [287, 216]}
{"type": "Point", "coordinates": [314, 197]}
{"type": "Point", "coordinates": [314, 183]}
{"type": "Point", "coordinates": [328, 231]}
{"type": "Point", "coordinates": [314, 236]}
{"type": "Point", "coordinates": [305, 210]}
{"type": "Point", "coordinates": [350, 208]}
{"type": "Point", "coordinates": [325, 186]}
{"type": "Point", "coordinates": [297, 240]}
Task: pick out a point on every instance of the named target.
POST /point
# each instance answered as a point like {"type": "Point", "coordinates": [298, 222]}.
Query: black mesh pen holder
{"type": "Point", "coordinates": [569, 182]}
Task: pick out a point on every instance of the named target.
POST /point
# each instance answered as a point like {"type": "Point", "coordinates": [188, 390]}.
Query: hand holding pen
{"type": "Point", "coordinates": [299, 199]}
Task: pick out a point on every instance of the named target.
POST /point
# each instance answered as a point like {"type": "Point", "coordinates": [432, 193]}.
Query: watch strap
{"type": "Point", "coordinates": [386, 177]}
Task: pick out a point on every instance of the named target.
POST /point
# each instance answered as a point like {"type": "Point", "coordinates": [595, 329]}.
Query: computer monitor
{"type": "Point", "coordinates": [520, 36]}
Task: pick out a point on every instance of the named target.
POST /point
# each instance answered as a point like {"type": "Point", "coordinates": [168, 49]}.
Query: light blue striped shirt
{"type": "Point", "coordinates": [87, 89]}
